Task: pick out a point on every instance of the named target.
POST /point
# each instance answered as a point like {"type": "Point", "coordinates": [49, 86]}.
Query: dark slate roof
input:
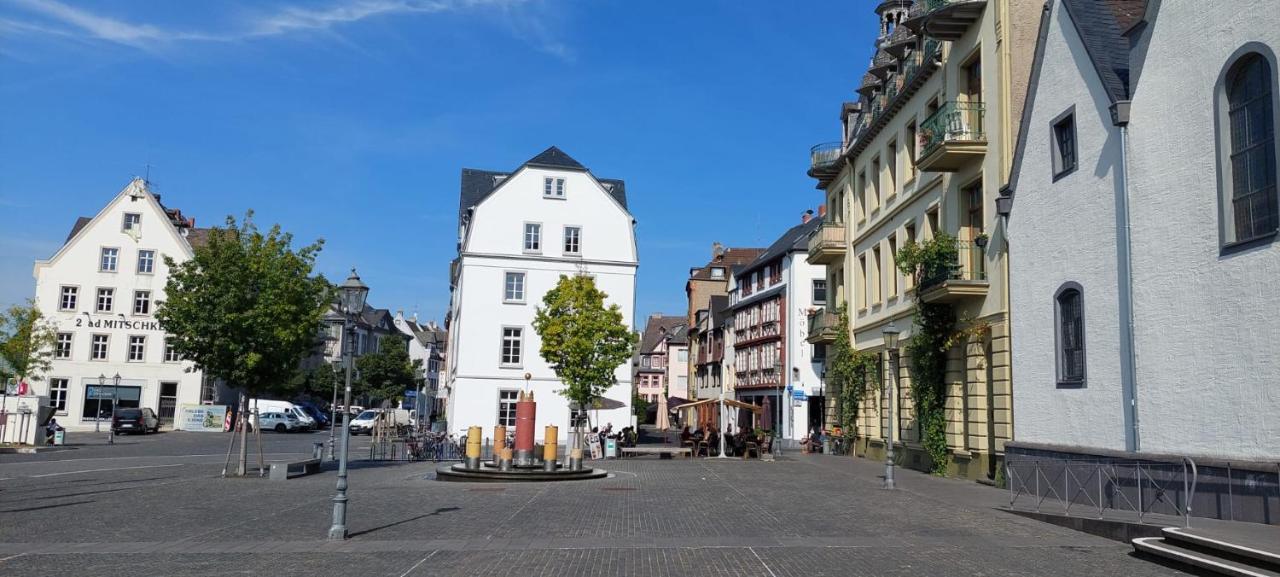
{"type": "Point", "coordinates": [657, 327]}
{"type": "Point", "coordinates": [679, 334]}
{"type": "Point", "coordinates": [762, 295]}
{"type": "Point", "coordinates": [198, 236]}
{"type": "Point", "coordinates": [555, 157]}
{"type": "Point", "coordinates": [795, 239]}
{"type": "Point", "coordinates": [80, 223]}
{"type": "Point", "coordinates": [719, 310]}
{"type": "Point", "coordinates": [479, 184]}
{"type": "Point", "coordinates": [1101, 25]}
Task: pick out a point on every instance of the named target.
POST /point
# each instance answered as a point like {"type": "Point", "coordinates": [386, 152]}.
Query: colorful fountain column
{"type": "Point", "coordinates": [549, 440]}
{"type": "Point", "coordinates": [472, 461]}
{"type": "Point", "coordinates": [526, 411]}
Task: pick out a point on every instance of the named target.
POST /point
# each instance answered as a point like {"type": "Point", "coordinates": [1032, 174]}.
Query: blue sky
{"type": "Point", "coordinates": [349, 120]}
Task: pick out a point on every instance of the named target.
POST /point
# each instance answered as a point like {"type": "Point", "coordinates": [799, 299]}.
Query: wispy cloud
{"type": "Point", "coordinates": [60, 19]}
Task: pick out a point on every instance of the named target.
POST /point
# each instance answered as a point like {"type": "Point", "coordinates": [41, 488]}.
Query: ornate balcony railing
{"type": "Point", "coordinates": [827, 243]}
{"type": "Point", "coordinates": [969, 265]}
{"type": "Point", "coordinates": [825, 155]}
{"type": "Point", "coordinates": [955, 121]}
{"type": "Point", "coordinates": [824, 326]}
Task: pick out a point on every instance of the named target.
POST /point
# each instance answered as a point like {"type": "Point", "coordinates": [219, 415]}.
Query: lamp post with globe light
{"type": "Point", "coordinates": [352, 294]}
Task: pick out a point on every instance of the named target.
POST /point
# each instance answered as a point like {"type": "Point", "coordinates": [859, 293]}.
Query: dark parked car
{"type": "Point", "coordinates": [142, 420]}
{"type": "Point", "coordinates": [321, 417]}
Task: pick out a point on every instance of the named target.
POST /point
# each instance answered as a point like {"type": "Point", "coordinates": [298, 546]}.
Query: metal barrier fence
{"type": "Point", "coordinates": [1098, 486]}
{"type": "Point", "coordinates": [421, 447]}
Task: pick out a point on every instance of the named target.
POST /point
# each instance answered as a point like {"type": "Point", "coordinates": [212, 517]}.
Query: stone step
{"type": "Point", "coordinates": [1250, 551]}
{"type": "Point", "coordinates": [1179, 554]}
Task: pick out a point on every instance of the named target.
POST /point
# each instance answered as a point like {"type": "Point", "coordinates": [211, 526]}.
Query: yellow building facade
{"type": "Point", "coordinates": [925, 152]}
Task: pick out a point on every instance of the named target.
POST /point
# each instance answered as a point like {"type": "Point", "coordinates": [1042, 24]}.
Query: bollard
{"type": "Point", "coordinates": [550, 438]}
{"type": "Point", "coordinates": [499, 442]}
{"type": "Point", "coordinates": [317, 450]}
{"type": "Point", "coordinates": [504, 460]}
{"type": "Point", "coordinates": [575, 459]}
{"type": "Point", "coordinates": [473, 448]}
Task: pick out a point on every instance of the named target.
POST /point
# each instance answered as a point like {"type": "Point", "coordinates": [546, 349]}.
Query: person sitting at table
{"type": "Point", "coordinates": [713, 440]}
{"type": "Point", "coordinates": [814, 443]}
{"type": "Point", "coordinates": [686, 438]}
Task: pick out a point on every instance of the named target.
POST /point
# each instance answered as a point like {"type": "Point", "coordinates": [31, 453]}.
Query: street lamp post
{"type": "Point", "coordinates": [97, 423]}
{"type": "Point", "coordinates": [115, 400]}
{"type": "Point", "coordinates": [890, 333]}
{"type": "Point", "coordinates": [352, 295]}
{"type": "Point", "coordinates": [333, 408]}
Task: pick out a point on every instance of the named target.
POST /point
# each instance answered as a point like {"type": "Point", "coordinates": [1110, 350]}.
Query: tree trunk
{"type": "Point", "coordinates": [243, 461]}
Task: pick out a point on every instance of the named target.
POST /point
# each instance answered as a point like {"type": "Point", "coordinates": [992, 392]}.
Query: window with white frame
{"type": "Point", "coordinates": [106, 300]}
{"type": "Point", "coordinates": [532, 237]}
{"type": "Point", "coordinates": [98, 348]}
{"type": "Point", "coordinates": [110, 260]}
{"type": "Point", "coordinates": [682, 355]}
{"type": "Point", "coordinates": [512, 346]}
{"type": "Point", "coordinates": [58, 394]}
{"type": "Point", "coordinates": [1251, 201]}
{"type": "Point", "coordinates": [137, 348]}
{"type": "Point", "coordinates": [132, 221]}
{"type": "Point", "coordinates": [170, 353]}
{"type": "Point", "coordinates": [573, 240]}
{"type": "Point", "coordinates": [507, 407]}
{"type": "Point", "coordinates": [553, 187]}
{"type": "Point", "coordinates": [513, 289]}
{"type": "Point", "coordinates": [67, 301]}
{"type": "Point", "coordinates": [146, 261]}
{"type": "Point", "coordinates": [141, 302]}
{"type": "Point", "coordinates": [63, 348]}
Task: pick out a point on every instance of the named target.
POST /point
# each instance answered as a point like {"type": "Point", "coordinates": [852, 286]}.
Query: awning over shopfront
{"type": "Point", "coordinates": [706, 412]}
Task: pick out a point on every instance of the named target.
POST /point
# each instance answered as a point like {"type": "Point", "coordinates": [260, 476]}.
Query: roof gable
{"type": "Point", "coordinates": [1101, 24]}
{"type": "Point", "coordinates": [136, 190]}
{"type": "Point", "coordinates": [478, 184]}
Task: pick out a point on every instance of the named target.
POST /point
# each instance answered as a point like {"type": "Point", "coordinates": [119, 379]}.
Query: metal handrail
{"type": "Point", "coordinates": [954, 121]}
{"type": "Point", "coordinates": [1042, 480]}
{"type": "Point", "coordinates": [825, 154]}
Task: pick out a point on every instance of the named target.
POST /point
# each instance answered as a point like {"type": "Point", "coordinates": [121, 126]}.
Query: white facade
{"type": "Point", "coordinates": [799, 276]}
{"type": "Point", "coordinates": [121, 336]}
{"type": "Point", "coordinates": [1204, 327]}
{"type": "Point", "coordinates": [486, 312]}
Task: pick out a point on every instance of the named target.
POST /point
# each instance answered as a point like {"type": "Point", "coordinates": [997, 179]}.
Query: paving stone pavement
{"type": "Point", "coordinates": [803, 516]}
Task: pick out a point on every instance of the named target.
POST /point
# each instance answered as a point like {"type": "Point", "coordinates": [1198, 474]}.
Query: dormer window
{"type": "Point", "coordinates": [717, 272]}
{"type": "Point", "coordinates": [553, 187]}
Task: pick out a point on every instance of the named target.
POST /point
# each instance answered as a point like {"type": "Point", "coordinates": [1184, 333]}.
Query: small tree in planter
{"type": "Point", "coordinates": [583, 340]}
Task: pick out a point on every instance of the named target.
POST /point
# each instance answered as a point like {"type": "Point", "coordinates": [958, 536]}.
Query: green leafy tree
{"type": "Point", "coordinates": [583, 340]}
{"type": "Point", "coordinates": [27, 341]}
{"type": "Point", "coordinates": [318, 381]}
{"type": "Point", "coordinates": [639, 406]}
{"type": "Point", "coordinates": [387, 373]}
{"type": "Point", "coordinates": [245, 308]}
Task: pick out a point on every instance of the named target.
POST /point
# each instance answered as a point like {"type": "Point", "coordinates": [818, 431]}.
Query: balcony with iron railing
{"type": "Point", "coordinates": [824, 327]}
{"type": "Point", "coordinates": [824, 159]}
{"type": "Point", "coordinates": [953, 137]}
{"type": "Point", "coordinates": [962, 279]}
{"type": "Point", "coordinates": [828, 244]}
{"type": "Point", "coordinates": [950, 19]}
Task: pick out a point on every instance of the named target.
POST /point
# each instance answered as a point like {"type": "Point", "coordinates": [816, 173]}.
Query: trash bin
{"type": "Point", "coordinates": [59, 437]}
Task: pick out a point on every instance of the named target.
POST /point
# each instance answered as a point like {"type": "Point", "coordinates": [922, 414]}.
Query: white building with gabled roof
{"type": "Point", "coordinates": [101, 290]}
{"type": "Point", "coordinates": [519, 232]}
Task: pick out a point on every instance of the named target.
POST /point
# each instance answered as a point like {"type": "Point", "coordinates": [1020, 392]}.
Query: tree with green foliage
{"type": "Point", "coordinates": [583, 340]}
{"type": "Point", "coordinates": [930, 262]}
{"type": "Point", "coordinates": [318, 381]}
{"type": "Point", "coordinates": [639, 406]}
{"type": "Point", "coordinates": [245, 309]}
{"type": "Point", "coordinates": [386, 374]}
{"type": "Point", "coordinates": [27, 341]}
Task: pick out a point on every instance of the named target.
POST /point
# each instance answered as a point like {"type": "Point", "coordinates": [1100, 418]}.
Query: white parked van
{"type": "Point", "coordinates": [268, 405]}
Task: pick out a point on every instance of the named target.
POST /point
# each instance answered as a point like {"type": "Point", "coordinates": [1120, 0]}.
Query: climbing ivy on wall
{"type": "Point", "coordinates": [850, 370]}
{"type": "Point", "coordinates": [930, 262]}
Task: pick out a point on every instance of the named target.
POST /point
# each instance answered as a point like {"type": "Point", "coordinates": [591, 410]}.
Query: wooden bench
{"type": "Point", "coordinates": [661, 452]}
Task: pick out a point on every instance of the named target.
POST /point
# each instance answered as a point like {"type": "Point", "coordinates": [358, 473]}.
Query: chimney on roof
{"type": "Point", "coordinates": [717, 250]}
{"type": "Point", "coordinates": [822, 210]}
{"type": "Point", "coordinates": [806, 217]}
